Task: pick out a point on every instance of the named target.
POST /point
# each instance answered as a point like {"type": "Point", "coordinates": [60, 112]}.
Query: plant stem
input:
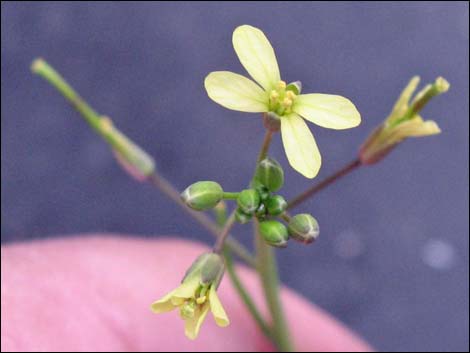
{"type": "Point", "coordinates": [267, 269]}
{"type": "Point", "coordinates": [245, 296]}
{"type": "Point", "coordinates": [231, 195]}
{"type": "Point", "coordinates": [324, 183]}
{"type": "Point", "coordinates": [219, 245]}
{"type": "Point", "coordinates": [168, 189]}
{"type": "Point", "coordinates": [42, 68]}
{"type": "Point", "coordinates": [265, 146]}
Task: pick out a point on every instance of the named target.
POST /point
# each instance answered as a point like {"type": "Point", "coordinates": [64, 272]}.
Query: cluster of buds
{"type": "Point", "coordinates": [260, 202]}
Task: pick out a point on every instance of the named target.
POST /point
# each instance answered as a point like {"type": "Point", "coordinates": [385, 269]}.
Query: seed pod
{"type": "Point", "coordinates": [248, 201]}
{"type": "Point", "coordinates": [241, 217]}
{"type": "Point", "coordinates": [202, 195]}
{"type": "Point", "coordinates": [270, 174]}
{"type": "Point", "coordinates": [275, 205]}
{"type": "Point", "coordinates": [304, 228]}
{"type": "Point", "coordinates": [274, 233]}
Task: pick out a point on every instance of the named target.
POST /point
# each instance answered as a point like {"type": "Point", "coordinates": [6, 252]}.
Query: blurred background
{"type": "Point", "coordinates": [392, 258]}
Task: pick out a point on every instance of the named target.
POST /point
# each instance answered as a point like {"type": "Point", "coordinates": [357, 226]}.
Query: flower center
{"type": "Point", "coordinates": [281, 99]}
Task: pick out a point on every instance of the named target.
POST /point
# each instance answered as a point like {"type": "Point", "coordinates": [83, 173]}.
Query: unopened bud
{"type": "Point", "coordinates": [304, 228]}
{"type": "Point", "coordinates": [248, 201]}
{"type": "Point", "coordinates": [276, 205]}
{"type": "Point", "coordinates": [261, 212]}
{"type": "Point", "coordinates": [270, 174]}
{"type": "Point", "coordinates": [202, 195]}
{"type": "Point", "coordinates": [241, 217]}
{"type": "Point", "coordinates": [295, 87]}
{"type": "Point", "coordinates": [274, 233]}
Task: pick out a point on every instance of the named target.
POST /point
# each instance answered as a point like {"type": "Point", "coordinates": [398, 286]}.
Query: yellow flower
{"type": "Point", "coordinates": [403, 121]}
{"type": "Point", "coordinates": [271, 94]}
{"type": "Point", "coordinates": [196, 295]}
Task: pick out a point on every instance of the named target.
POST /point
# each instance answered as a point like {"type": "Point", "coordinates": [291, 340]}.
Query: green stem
{"type": "Point", "coordinates": [245, 296]}
{"type": "Point", "coordinates": [231, 195]}
{"type": "Point", "coordinates": [348, 168]}
{"type": "Point", "coordinates": [43, 69]}
{"type": "Point", "coordinates": [219, 245]}
{"type": "Point", "coordinates": [168, 189]}
{"type": "Point", "coordinates": [267, 269]}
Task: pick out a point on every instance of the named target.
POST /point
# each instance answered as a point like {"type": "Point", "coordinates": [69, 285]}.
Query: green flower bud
{"type": "Point", "coordinates": [295, 87]}
{"type": "Point", "coordinates": [248, 201]}
{"type": "Point", "coordinates": [241, 217]}
{"type": "Point", "coordinates": [263, 191]}
{"type": "Point", "coordinates": [304, 228]}
{"type": "Point", "coordinates": [202, 195]}
{"type": "Point", "coordinates": [274, 233]}
{"type": "Point", "coordinates": [270, 174]}
{"type": "Point", "coordinates": [261, 212]}
{"type": "Point", "coordinates": [276, 205]}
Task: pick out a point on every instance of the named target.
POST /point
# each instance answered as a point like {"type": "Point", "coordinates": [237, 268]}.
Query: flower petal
{"type": "Point", "coordinates": [192, 326]}
{"type": "Point", "coordinates": [327, 110]}
{"type": "Point", "coordinates": [415, 127]}
{"type": "Point", "coordinates": [236, 92]}
{"type": "Point", "coordinates": [301, 149]}
{"type": "Point", "coordinates": [256, 55]}
{"type": "Point", "coordinates": [186, 289]}
{"type": "Point", "coordinates": [163, 305]}
{"type": "Point", "coordinates": [401, 104]}
{"type": "Point", "coordinates": [217, 309]}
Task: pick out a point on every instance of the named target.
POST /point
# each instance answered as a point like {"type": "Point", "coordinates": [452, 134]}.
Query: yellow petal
{"type": "Point", "coordinates": [301, 149]}
{"type": "Point", "coordinates": [327, 110]}
{"type": "Point", "coordinates": [192, 326]}
{"type": "Point", "coordinates": [415, 127]}
{"type": "Point", "coordinates": [187, 289]}
{"type": "Point", "coordinates": [217, 309]}
{"type": "Point", "coordinates": [236, 92]}
{"type": "Point", "coordinates": [401, 105]}
{"type": "Point", "coordinates": [163, 305]}
{"type": "Point", "coordinates": [256, 55]}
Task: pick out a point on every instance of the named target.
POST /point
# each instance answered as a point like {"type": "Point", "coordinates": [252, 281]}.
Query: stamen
{"type": "Point", "coordinates": [291, 95]}
{"type": "Point", "coordinates": [287, 102]}
{"type": "Point", "coordinates": [282, 85]}
{"type": "Point", "coordinates": [201, 300]}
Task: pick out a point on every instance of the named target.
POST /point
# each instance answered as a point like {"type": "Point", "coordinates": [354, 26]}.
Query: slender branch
{"type": "Point", "coordinates": [324, 183]}
{"type": "Point", "coordinates": [245, 296]}
{"type": "Point", "coordinates": [230, 195]}
{"type": "Point", "coordinates": [168, 189]}
{"type": "Point", "coordinates": [265, 146]}
{"type": "Point", "coordinates": [219, 245]}
{"type": "Point", "coordinates": [101, 126]}
{"type": "Point", "coordinates": [267, 269]}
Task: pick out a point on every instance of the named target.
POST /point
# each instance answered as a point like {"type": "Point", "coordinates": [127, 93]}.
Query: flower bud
{"type": "Point", "coordinates": [241, 217]}
{"type": "Point", "coordinates": [295, 87]}
{"type": "Point", "coordinates": [202, 195]}
{"type": "Point", "coordinates": [274, 233]}
{"type": "Point", "coordinates": [261, 212]}
{"type": "Point", "coordinates": [270, 174]}
{"type": "Point", "coordinates": [304, 228]}
{"type": "Point", "coordinates": [248, 201]}
{"type": "Point", "coordinates": [275, 205]}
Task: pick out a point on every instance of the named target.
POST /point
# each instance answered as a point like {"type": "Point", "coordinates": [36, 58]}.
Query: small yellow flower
{"type": "Point", "coordinates": [236, 92]}
{"type": "Point", "coordinates": [196, 295]}
{"type": "Point", "coordinates": [403, 121]}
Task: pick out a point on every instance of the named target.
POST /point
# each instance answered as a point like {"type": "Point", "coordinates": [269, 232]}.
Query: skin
{"type": "Point", "coordinates": [93, 292]}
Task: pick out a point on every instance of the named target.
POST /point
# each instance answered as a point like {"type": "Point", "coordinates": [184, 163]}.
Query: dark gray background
{"type": "Point", "coordinates": [392, 259]}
